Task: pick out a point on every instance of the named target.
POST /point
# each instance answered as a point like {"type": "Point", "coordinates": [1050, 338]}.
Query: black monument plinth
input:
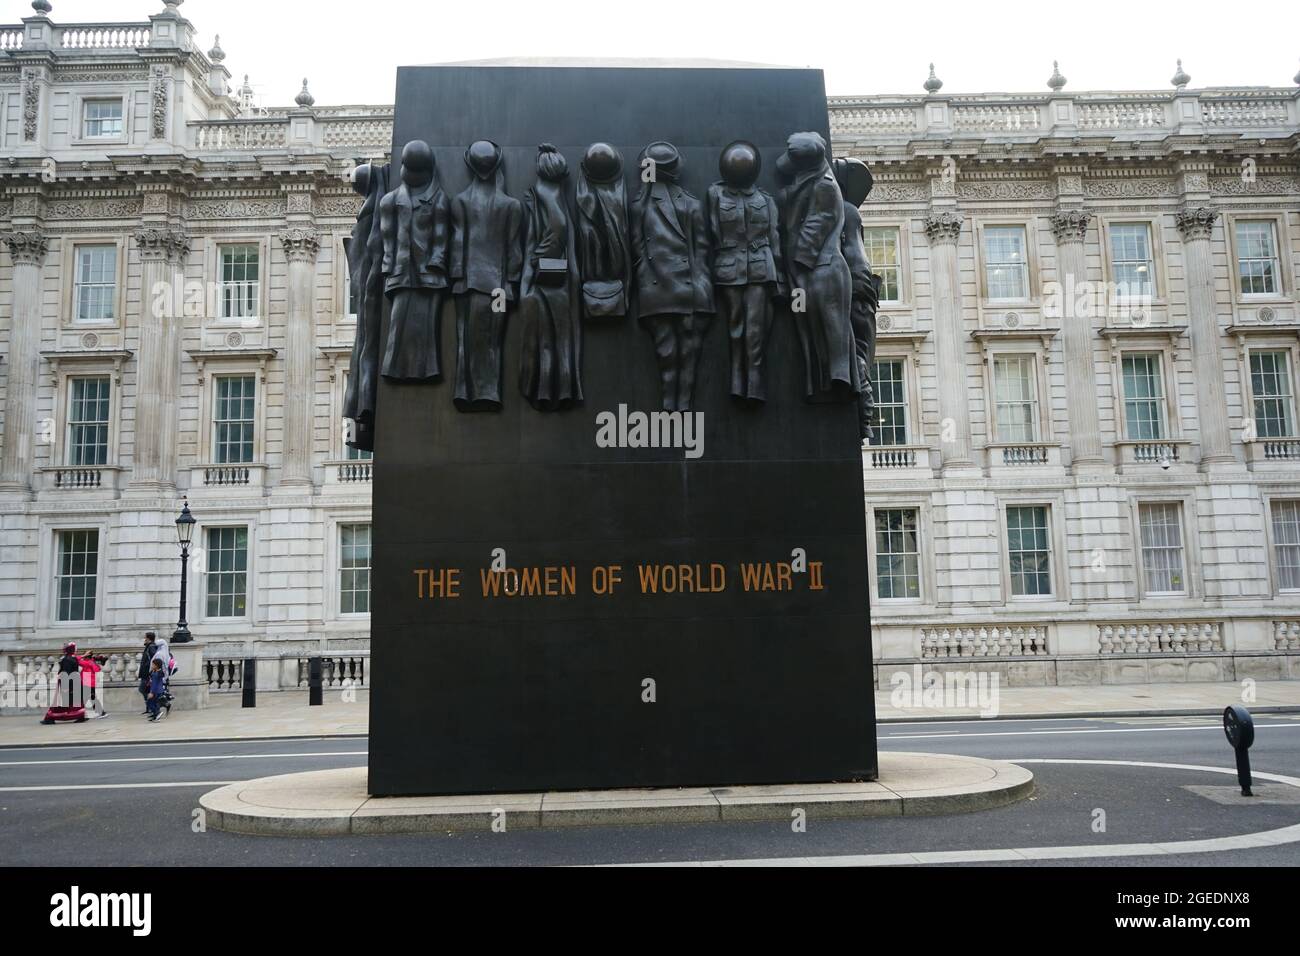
{"type": "Point", "coordinates": [756, 666]}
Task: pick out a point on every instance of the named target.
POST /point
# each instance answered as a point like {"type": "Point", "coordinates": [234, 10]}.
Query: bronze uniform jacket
{"type": "Point", "coordinates": [670, 253]}
{"type": "Point", "coordinates": [745, 233]}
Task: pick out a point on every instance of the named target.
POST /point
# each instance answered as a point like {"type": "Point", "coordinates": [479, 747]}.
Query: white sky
{"type": "Point", "coordinates": [349, 50]}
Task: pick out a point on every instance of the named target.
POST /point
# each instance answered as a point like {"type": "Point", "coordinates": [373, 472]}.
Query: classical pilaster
{"type": "Point", "coordinates": [943, 229]}
{"type": "Point", "coordinates": [27, 247]}
{"type": "Point", "coordinates": [1070, 228]}
{"type": "Point", "coordinates": [1196, 225]}
{"type": "Point", "coordinates": [162, 251]}
{"type": "Point", "coordinates": [301, 246]}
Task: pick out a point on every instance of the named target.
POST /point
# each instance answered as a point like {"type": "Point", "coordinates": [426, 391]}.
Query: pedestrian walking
{"type": "Point", "coordinates": [90, 669]}
{"type": "Point", "coordinates": [157, 688]}
{"type": "Point", "coordinates": [146, 657]}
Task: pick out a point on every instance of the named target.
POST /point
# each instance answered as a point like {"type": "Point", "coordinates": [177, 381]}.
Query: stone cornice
{"type": "Point", "coordinates": [156, 243]}
{"type": "Point", "coordinates": [27, 246]}
{"type": "Point", "coordinates": [300, 244]}
{"type": "Point", "coordinates": [1196, 222]}
{"type": "Point", "coordinates": [941, 227]}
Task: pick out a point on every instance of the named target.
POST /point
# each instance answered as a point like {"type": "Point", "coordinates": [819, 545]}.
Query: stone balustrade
{"type": "Point", "coordinates": [103, 36]}
{"type": "Point", "coordinates": [1286, 635]}
{"type": "Point", "coordinates": [330, 131]}
{"type": "Point", "coordinates": [1160, 637]}
{"type": "Point", "coordinates": [1017, 640]}
{"type": "Point", "coordinates": [339, 671]}
{"type": "Point", "coordinates": [1156, 113]}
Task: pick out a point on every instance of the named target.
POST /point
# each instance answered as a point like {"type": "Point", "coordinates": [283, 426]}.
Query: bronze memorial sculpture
{"type": "Point", "coordinates": [415, 222]}
{"type": "Point", "coordinates": [616, 558]}
{"type": "Point", "coordinates": [550, 369]}
{"type": "Point", "coordinates": [670, 251]}
{"type": "Point", "coordinates": [748, 275]}
{"type": "Point", "coordinates": [486, 262]}
{"type": "Point", "coordinates": [820, 284]}
{"type": "Point", "coordinates": [855, 184]}
{"type": "Point", "coordinates": [603, 255]}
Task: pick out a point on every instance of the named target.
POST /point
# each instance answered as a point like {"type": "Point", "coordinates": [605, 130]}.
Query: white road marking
{"type": "Point", "coordinates": [1278, 837]}
{"type": "Point", "coordinates": [123, 786]}
{"type": "Point", "coordinates": [1080, 730]}
{"type": "Point", "coordinates": [79, 761]}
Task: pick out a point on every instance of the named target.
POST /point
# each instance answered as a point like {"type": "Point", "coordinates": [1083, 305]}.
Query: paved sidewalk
{"type": "Point", "coordinates": [286, 714]}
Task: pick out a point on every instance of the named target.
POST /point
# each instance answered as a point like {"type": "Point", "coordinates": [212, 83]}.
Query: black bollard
{"type": "Point", "coordinates": [1239, 727]}
{"type": "Point", "coordinates": [315, 694]}
{"type": "Point", "coordinates": [249, 683]}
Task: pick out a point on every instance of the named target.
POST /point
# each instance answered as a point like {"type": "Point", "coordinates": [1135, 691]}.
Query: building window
{"type": "Point", "coordinates": [240, 285]}
{"type": "Point", "coordinates": [882, 253]}
{"type": "Point", "coordinates": [1257, 265]}
{"type": "Point", "coordinates": [101, 119]}
{"type": "Point", "coordinates": [94, 284]}
{"type": "Point", "coordinates": [1270, 387]}
{"type": "Point", "coordinates": [1029, 554]}
{"type": "Point", "coordinates": [78, 574]}
{"type": "Point", "coordinates": [88, 420]}
{"type": "Point", "coordinates": [349, 293]}
{"type": "Point", "coordinates": [1131, 264]}
{"type": "Point", "coordinates": [890, 424]}
{"type": "Point", "coordinates": [1015, 398]}
{"type": "Point", "coordinates": [1286, 544]}
{"type": "Point", "coordinates": [233, 421]}
{"type": "Point", "coordinates": [354, 568]}
{"type": "Point", "coordinates": [358, 454]}
{"type": "Point", "coordinates": [898, 556]}
{"type": "Point", "coordinates": [227, 578]}
{"type": "Point", "coordinates": [1006, 268]}
{"type": "Point", "coordinates": [1144, 399]}
{"type": "Point", "coordinates": [1161, 526]}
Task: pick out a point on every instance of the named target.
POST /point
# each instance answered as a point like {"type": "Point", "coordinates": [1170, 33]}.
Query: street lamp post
{"type": "Point", "coordinates": [184, 534]}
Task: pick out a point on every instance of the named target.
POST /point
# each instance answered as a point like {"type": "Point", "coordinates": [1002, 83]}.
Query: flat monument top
{"type": "Point", "coordinates": [624, 62]}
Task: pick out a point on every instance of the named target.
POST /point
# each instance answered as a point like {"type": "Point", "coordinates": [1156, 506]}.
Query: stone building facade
{"type": "Point", "coordinates": [1087, 466]}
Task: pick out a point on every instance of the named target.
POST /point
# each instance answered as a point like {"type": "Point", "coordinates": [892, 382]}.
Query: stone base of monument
{"type": "Point", "coordinates": [335, 802]}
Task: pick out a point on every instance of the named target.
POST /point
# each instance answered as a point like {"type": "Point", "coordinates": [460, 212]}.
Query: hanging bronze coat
{"type": "Point", "coordinates": [486, 262]}
{"type": "Point", "coordinates": [550, 359]}
{"type": "Point", "coordinates": [601, 233]}
{"type": "Point", "coordinates": [366, 281]}
{"type": "Point", "coordinates": [855, 181]}
{"type": "Point", "coordinates": [415, 219]}
{"type": "Point", "coordinates": [670, 257]}
{"type": "Point", "coordinates": [812, 213]}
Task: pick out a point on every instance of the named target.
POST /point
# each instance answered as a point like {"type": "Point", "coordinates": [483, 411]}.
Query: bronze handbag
{"type": "Point", "coordinates": [603, 298]}
{"type": "Point", "coordinates": [552, 272]}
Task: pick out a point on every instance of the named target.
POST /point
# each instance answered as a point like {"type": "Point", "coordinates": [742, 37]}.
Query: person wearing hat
{"type": "Point", "coordinates": [744, 232]}
{"type": "Point", "coordinates": [812, 212]}
{"type": "Point", "coordinates": [670, 259]}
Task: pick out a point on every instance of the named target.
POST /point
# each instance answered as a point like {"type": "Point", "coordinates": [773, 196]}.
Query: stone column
{"type": "Point", "coordinates": [943, 228]}
{"type": "Point", "coordinates": [1196, 224]}
{"type": "Point", "coordinates": [27, 247]}
{"type": "Point", "coordinates": [1070, 227]}
{"type": "Point", "coordinates": [158, 366]}
{"type": "Point", "coordinates": [301, 245]}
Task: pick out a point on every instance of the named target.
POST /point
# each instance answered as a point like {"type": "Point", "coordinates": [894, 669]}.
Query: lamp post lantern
{"type": "Point", "coordinates": [184, 534]}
